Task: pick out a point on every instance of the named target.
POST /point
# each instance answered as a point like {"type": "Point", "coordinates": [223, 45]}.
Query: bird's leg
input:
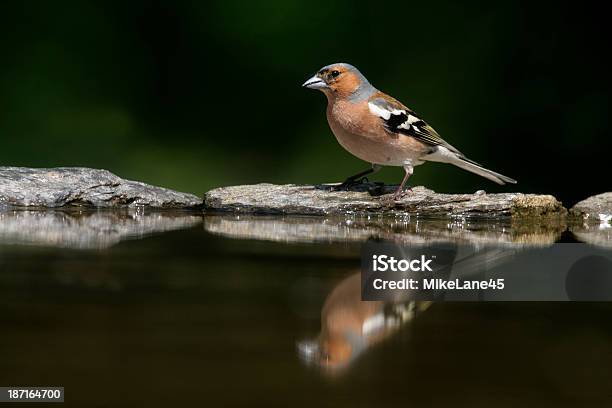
{"type": "Point", "coordinates": [355, 179]}
{"type": "Point", "coordinates": [400, 190]}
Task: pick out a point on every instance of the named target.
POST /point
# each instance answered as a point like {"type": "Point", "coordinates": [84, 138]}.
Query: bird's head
{"type": "Point", "coordinates": [337, 80]}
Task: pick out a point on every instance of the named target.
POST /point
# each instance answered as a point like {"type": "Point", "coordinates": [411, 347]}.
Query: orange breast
{"type": "Point", "coordinates": [363, 135]}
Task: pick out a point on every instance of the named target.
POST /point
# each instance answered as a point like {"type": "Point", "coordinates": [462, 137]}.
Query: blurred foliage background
{"type": "Point", "coordinates": [194, 95]}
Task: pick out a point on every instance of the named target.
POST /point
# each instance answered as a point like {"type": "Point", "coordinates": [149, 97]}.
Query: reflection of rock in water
{"type": "Point", "coordinates": [401, 230]}
{"type": "Point", "coordinates": [600, 235]}
{"type": "Point", "coordinates": [86, 230]}
{"type": "Point", "coordinates": [350, 326]}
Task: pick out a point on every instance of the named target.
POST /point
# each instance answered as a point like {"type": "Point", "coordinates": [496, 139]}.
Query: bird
{"type": "Point", "coordinates": [379, 129]}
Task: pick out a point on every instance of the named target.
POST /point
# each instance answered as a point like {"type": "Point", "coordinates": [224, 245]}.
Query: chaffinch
{"type": "Point", "coordinates": [381, 130]}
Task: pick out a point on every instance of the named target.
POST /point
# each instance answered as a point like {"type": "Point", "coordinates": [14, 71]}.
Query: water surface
{"type": "Point", "coordinates": [170, 309]}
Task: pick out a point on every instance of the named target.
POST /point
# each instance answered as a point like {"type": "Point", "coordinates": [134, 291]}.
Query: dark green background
{"type": "Point", "coordinates": [193, 95]}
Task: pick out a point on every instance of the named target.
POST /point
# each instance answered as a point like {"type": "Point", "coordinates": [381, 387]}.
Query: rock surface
{"type": "Point", "coordinates": [314, 200]}
{"type": "Point", "coordinates": [595, 209]}
{"type": "Point", "coordinates": [76, 186]}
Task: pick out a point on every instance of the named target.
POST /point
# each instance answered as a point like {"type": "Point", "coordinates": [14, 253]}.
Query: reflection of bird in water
{"type": "Point", "coordinates": [349, 326]}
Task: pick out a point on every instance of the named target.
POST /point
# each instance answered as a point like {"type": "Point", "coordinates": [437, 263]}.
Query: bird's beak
{"type": "Point", "coordinates": [315, 83]}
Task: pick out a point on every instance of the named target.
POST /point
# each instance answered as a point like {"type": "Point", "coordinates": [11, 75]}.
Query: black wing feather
{"type": "Point", "coordinates": [418, 129]}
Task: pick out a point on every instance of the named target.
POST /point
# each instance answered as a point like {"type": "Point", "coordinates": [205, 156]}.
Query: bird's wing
{"type": "Point", "coordinates": [401, 120]}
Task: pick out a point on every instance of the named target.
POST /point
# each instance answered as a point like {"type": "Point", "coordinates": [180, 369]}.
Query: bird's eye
{"type": "Point", "coordinates": [334, 74]}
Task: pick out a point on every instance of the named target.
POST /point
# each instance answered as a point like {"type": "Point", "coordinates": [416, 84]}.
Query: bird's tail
{"type": "Point", "coordinates": [444, 155]}
{"type": "Point", "coordinates": [475, 168]}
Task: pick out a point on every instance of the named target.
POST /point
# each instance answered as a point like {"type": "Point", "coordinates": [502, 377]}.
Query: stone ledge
{"type": "Point", "coordinates": [312, 200]}
{"type": "Point", "coordinates": [596, 209]}
{"type": "Point", "coordinates": [83, 187]}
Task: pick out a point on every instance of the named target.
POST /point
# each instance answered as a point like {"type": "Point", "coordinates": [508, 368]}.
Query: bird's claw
{"type": "Point", "coordinates": [376, 189]}
{"type": "Point", "coordinates": [347, 184]}
{"type": "Point", "coordinates": [399, 194]}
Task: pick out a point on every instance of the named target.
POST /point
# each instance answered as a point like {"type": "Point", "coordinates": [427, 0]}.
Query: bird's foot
{"type": "Point", "coordinates": [374, 188]}
{"type": "Point", "coordinates": [349, 184]}
{"type": "Point", "coordinates": [399, 194]}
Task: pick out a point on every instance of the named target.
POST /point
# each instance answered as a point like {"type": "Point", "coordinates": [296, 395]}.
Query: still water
{"type": "Point", "coordinates": [179, 309]}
